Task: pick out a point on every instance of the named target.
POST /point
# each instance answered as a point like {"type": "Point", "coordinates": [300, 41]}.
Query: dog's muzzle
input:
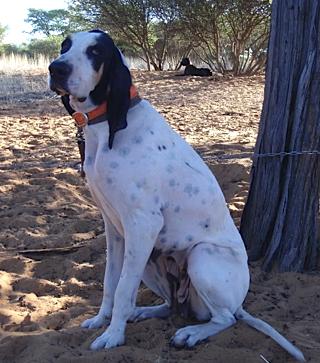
{"type": "Point", "coordinates": [59, 75]}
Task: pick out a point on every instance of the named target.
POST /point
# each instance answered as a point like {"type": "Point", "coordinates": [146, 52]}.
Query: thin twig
{"type": "Point", "coordinates": [264, 359]}
{"type": "Point", "coordinates": [53, 250]}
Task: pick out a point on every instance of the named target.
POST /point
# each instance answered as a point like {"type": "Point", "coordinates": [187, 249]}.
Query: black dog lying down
{"type": "Point", "coordinates": [191, 70]}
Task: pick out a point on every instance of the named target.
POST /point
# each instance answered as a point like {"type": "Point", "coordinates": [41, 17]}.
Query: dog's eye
{"type": "Point", "coordinates": [94, 51]}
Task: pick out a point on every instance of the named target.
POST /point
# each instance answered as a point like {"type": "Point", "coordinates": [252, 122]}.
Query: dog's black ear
{"type": "Point", "coordinates": [66, 103]}
{"type": "Point", "coordinates": [118, 95]}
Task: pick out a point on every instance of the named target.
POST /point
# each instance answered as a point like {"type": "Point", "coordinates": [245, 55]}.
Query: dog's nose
{"type": "Point", "coordinates": [59, 69]}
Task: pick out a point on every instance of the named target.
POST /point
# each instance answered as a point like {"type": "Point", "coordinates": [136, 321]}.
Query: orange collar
{"type": "Point", "coordinates": [82, 119]}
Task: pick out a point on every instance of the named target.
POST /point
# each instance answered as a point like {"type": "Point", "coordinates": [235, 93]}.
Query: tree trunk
{"type": "Point", "coordinates": [279, 222]}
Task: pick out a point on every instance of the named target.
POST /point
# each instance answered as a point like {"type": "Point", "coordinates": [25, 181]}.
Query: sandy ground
{"type": "Point", "coordinates": [52, 242]}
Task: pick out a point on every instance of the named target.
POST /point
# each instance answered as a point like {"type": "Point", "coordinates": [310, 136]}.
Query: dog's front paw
{"type": "Point", "coordinates": [96, 322]}
{"type": "Point", "coordinates": [108, 340]}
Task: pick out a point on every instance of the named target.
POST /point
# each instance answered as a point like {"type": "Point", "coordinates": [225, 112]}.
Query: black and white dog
{"type": "Point", "coordinates": [166, 219]}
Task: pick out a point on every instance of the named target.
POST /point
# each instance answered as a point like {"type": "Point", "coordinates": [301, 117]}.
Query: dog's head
{"type": "Point", "coordinates": [89, 71]}
{"type": "Point", "coordinates": [185, 62]}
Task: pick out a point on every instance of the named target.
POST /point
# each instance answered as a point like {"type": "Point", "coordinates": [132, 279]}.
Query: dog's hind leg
{"type": "Point", "coordinates": [220, 278]}
{"type": "Point", "coordinates": [193, 334]}
{"type": "Point", "coordinates": [148, 312]}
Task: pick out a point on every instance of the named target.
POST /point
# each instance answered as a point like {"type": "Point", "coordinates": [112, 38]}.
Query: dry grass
{"type": "Point", "coordinates": [22, 77]}
{"type": "Point", "coordinates": [13, 64]}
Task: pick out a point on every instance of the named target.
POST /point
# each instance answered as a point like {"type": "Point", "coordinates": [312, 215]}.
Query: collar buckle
{"type": "Point", "coordinates": [80, 118]}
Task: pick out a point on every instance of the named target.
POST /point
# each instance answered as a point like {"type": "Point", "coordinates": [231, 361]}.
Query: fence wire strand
{"type": "Point", "coordinates": [258, 156]}
{"type": "Point", "coordinates": [208, 158]}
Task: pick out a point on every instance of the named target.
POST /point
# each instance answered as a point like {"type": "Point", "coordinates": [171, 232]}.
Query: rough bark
{"type": "Point", "coordinates": [279, 222]}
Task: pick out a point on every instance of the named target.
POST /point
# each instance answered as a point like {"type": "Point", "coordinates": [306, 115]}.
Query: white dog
{"type": "Point", "coordinates": [166, 219]}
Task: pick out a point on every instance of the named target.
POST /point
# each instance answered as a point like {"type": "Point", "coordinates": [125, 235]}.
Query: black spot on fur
{"type": "Point", "coordinates": [162, 147]}
{"type": "Point", "coordinates": [208, 251]}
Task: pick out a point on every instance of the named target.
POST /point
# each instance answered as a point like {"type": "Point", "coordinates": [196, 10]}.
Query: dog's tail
{"type": "Point", "coordinates": [267, 329]}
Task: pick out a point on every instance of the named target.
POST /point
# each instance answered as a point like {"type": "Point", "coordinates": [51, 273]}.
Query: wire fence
{"type": "Point", "coordinates": [253, 156]}
{"type": "Point", "coordinates": [247, 155]}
